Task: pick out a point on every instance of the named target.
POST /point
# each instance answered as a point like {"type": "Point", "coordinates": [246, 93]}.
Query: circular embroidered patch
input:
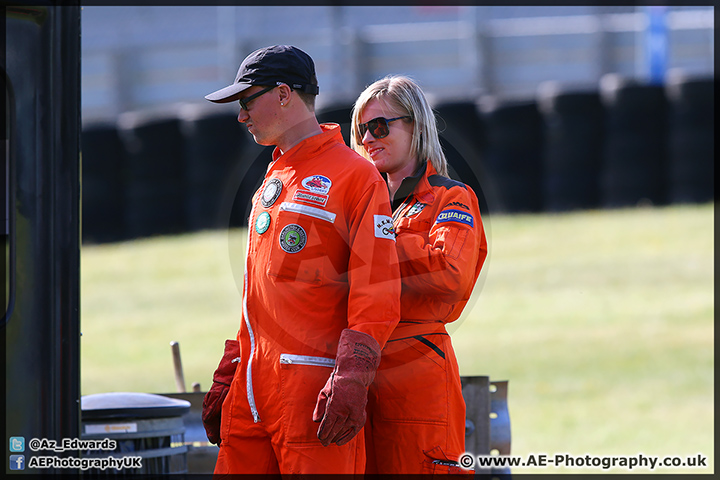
{"type": "Point", "coordinates": [262, 223]}
{"type": "Point", "coordinates": [271, 192]}
{"type": "Point", "coordinates": [292, 238]}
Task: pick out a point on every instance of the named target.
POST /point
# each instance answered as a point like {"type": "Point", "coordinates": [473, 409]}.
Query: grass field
{"type": "Point", "coordinates": [602, 322]}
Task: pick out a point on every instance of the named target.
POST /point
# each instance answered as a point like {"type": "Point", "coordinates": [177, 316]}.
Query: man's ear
{"type": "Point", "coordinates": [283, 93]}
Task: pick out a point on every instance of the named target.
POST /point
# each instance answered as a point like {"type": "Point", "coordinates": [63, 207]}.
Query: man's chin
{"type": "Point", "coordinates": [259, 140]}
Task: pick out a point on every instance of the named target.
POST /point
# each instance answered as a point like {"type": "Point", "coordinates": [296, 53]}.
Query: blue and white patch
{"type": "Point", "coordinates": [319, 184]}
{"type": "Point", "coordinates": [384, 227]}
{"type": "Point", "coordinates": [453, 215]}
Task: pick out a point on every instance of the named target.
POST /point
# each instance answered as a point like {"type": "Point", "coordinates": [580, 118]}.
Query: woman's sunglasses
{"type": "Point", "coordinates": [378, 126]}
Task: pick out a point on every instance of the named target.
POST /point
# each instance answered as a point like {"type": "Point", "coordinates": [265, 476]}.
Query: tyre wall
{"type": "Point", "coordinates": [621, 144]}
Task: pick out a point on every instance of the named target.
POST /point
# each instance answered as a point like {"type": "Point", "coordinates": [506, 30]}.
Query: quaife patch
{"type": "Point", "coordinates": [457, 216]}
{"type": "Point", "coordinates": [292, 238]}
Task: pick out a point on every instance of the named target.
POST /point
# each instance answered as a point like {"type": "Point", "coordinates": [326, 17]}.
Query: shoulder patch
{"type": "Point", "coordinates": [458, 204]}
{"type": "Point", "coordinates": [440, 181]}
{"type": "Point", "coordinates": [384, 227]}
{"type": "Point", "coordinates": [452, 215]}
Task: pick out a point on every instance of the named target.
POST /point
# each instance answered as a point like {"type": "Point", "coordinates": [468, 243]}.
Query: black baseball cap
{"type": "Point", "coordinates": [270, 66]}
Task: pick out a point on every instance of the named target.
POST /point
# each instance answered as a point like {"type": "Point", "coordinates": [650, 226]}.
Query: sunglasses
{"type": "Point", "coordinates": [244, 101]}
{"type": "Point", "coordinates": [379, 127]}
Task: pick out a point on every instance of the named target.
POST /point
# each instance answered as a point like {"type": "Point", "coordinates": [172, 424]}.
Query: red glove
{"type": "Point", "coordinates": [340, 407]}
{"type": "Point", "coordinates": [222, 378]}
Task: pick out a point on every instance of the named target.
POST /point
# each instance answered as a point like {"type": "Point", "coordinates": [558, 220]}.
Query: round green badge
{"type": "Point", "coordinates": [262, 223]}
{"type": "Point", "coordinates": [293, 238]}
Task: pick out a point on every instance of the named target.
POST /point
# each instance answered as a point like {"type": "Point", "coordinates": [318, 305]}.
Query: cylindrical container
{"type": "Point", "coordinates": [147, 430]}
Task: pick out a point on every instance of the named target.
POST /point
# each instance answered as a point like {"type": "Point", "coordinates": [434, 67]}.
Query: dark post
{"type": "Point", "coordinates": [40, 328]}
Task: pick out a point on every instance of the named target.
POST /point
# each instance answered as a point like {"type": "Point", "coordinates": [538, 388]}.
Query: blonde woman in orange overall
{"type": "Point", "coordinates": [416, 412]}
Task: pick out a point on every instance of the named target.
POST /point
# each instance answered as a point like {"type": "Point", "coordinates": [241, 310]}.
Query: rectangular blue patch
{"type": "Point", "coordinates": [455, 216]}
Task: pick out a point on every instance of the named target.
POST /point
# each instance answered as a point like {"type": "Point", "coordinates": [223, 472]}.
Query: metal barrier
{"type": "Point", "coordinates": [487, 425]}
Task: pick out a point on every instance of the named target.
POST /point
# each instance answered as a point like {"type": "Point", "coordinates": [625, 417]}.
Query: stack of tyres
{"type": "Point", "coordinates": [462, 139]}
{"type": "Point", "coordinates": [103, 185]}
{"type": "Point", "coordinates": [635, 154]}
{"type": "Point", "coordinates": [513, 155]}
{"type": "Point", "coordinates": [245, 179]}
{"type": "Point", "coordinates": [690, 169]}
{"type": "Point", "coordinates": [574, 136]}
{"type": "Point", "coordinates": [155, 173]}
{"type": "Point", "coordinates": [214, 142]}
{"type": "Point", "coordinates": [340, 113]}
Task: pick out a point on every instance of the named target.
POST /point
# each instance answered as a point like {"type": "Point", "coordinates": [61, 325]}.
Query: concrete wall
{"type": "Point", "coordinates": [143, 57]}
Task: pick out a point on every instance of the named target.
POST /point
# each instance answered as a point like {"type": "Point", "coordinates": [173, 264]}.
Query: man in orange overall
{"type": "Point", "coordinates": [321, 286]}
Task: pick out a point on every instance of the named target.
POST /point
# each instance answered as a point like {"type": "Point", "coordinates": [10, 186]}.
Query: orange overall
{"type": "Point", "coordinates": [416, 412]}
{"type": "Point", "coordinates": [321, 257]}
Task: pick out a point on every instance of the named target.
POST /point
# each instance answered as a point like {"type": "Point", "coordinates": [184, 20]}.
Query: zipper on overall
{"type": "Point", "coordinates": [290, 359]}
{"type": "Point", "coordinates": [248, 376]}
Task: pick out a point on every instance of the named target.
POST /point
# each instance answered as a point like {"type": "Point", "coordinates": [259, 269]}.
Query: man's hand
{"type": "Point", "coordinates": [222, 378]}
{"type": "Point", "coordinates": [340, 407]}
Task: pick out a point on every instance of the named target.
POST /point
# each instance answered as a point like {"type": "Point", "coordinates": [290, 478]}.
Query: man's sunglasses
{"type": "Point", "coordinates": [379, 127]}
{"type": "Point", "coordinates": [244, 101]}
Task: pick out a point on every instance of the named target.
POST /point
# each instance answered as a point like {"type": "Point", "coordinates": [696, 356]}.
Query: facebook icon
{"type": "Point", "coordinates": [17, 462]}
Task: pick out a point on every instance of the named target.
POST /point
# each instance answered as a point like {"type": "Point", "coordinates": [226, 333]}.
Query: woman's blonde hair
{"type": "Point", "coordinates": [407, 97]}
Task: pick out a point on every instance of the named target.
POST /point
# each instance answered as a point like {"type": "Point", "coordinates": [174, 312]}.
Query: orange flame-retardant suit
{"type": "Point", "coordinates": [416, 412]}
{"type": "Point", "coordinates": [320, 258]}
